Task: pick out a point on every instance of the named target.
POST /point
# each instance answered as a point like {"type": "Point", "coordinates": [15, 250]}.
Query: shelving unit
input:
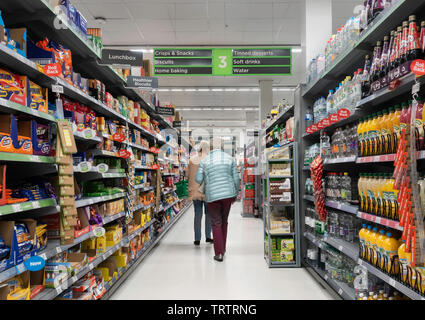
{"type": "Point", "coordinates": [38, 17]}
{"type": "Point", "coordinates": [251, 178]}
{"type": "Point", "coordinates": [346, 64]}
{"type": "Point", "coordinates": [290, 214]}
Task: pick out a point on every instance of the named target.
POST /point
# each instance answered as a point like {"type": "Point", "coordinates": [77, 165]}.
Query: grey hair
{"type": "Point", "coordinates": [217, 143]}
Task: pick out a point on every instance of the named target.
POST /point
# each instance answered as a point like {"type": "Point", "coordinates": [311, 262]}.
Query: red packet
{"type": "Point", "coordinates": [413, 247]}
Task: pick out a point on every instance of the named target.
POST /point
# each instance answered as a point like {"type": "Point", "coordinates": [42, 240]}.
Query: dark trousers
{"type": "Point", "coordinates": [198, 205]}
{"type": "Point", "coordinates": [219, 213]}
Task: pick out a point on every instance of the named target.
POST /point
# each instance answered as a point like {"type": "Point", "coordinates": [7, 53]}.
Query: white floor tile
{"type": "Point", "coordinates": [178, 270]}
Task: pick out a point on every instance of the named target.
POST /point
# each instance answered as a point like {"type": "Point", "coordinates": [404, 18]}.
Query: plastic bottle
{"type": "Point", "coordinates": [346, 188]}
{"type": "Point", "coordinates": [405, 260]}
{"type": "Point", "coordinates": [381, 295]}
{"type": "Point", "coordinates": [371, 135]}
{"type": "Point", "coordinates": [397, 127]}
{"type": "Point", "coordinates": [372, 244]}
{"type": "Point", "coordinates": [404, 42]}
{"type": "Point", "coordinates": [330, 103]}
{"type": "Point", "coordinates": [384, 135]}
{"type": "Point", "coordinates": [371, 296]}
{"type": "Point", "coordinates": [362, 234]}
{"type": "Point", "coordinates": [379, 126]}
{"type": "Point", "coordinates": [309, 119]}
{"type": "Point", "coordinates": [325, 146]}
{"type": "Point", "coordinates": [384, 58]}
{"type": "Point", "coordinates": [365, 138]}
{"type": "Point", "coordinates": [375, 69]}
{"type": "Point", "coordinates": [391, 246]}
{"type": "Point", "coordinates": [380, 247]}
{"type": "Point", "coordinates": [414, 46]}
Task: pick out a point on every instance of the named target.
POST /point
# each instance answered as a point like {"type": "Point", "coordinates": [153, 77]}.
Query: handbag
{"type": "Point", "coordinates": [202, 188]}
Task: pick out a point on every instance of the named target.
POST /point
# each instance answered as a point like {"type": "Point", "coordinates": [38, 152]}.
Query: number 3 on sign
{"type": "Point", "coordinates": [223, 62]}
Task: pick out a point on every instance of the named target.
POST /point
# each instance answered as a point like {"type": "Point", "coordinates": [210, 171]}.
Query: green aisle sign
{"type": "Point", "coordinates": [222, 61]}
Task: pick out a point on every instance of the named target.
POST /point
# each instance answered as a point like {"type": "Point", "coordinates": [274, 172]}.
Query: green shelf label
{"type": "Point", "coordinates": [222, 61]}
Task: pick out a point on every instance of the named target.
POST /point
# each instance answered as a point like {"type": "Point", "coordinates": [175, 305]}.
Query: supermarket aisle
{"type": "Point", "coordinates": [176, 269]}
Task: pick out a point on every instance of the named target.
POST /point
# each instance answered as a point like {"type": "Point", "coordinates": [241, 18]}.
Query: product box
{"type": "Point", "coordinates": [77, 260]}
{"type": "Point", "coordinates": [31, 225]}
{"type": "Point", "coordinates": [13, 87]}
{"type": "Point", "coordinates": [37, 98]}
{"type": "Point", "coordinates": [286, 256]}
{"type": "Point", "coordinates": [7, 233]}
{"type": "Point", "coordinates": [56, 273]}
{"type": "Point", "coordinates": [280, 225]}
{"type": "Point", "coordinates": [25, 138]}
{"type": "Point", "coordinates": [85, 226]}
{"type": "Point", "coordinates": [37, 282]}
{"type": "Point", "coordinates": [19, 287]}
{"type": "Point", "coordinates": [109, 270]}
{"type": "Point", "coordinates": [287, 244]}
{"type": "Point", "coordinates": [17, 40]}
{"type": "Point", "coordinates": [41, 139]}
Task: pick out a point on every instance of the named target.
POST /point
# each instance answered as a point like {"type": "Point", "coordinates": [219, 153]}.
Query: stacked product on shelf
{"type": "Point", "coordinates": [371, 126]}
{"type": "Point", "coordinates": [114, 128]}
{"type": "Point", "coordinates": [281, 236]}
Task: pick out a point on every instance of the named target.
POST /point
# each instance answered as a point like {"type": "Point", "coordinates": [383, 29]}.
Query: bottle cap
{"type": "Point", "coordinates": [412, 18]}
{"type": "Point", "coordinates": [389, 234]}
{"type": "Point", "coordinates": [375, 229]}
{"type": "Point", "coordinates": [382, 232]}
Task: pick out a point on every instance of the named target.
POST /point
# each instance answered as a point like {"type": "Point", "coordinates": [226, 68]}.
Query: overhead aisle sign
{"type": "Point", "coordinates": [222, 61]}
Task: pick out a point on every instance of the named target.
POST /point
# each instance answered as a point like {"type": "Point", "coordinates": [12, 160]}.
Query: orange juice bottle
{"type": "Point", "coordinates": [372, 244]}
{"type": "Point", "coordinates": [369, 192]}
{"type": "Point", "coordinates": [365, 144]}
{"type": "Point", "coordinates": [385, 132]}
{"type": "Point", "coordinates": [380, 248]}
{"type": "Point", "coordinates": [391, 246]}
{"type": "Point", "coordinates": [362, 237]}
{"type": "Point", "coordinates": [378, 131]}
{"type": "Point", "coordinates": [367, 236]}
{"type": "Point", "coordinates": [372, 134]}
{"type": "Point", "coordinates": [379, 194]}
{"type": "Point", "coordinates": [397, 129]}
{"type": "Point", "coordinates": [391, 122]}
{"type": "Point", "coordinates": [390, 197]}
{"type": "Point", "coordinates": [405, 260]}
{"type": "Point", "coordinates": [372, 199]}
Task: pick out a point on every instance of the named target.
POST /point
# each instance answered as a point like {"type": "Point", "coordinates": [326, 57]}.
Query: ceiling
{"type": "Point", "coordinates": [150, 23]}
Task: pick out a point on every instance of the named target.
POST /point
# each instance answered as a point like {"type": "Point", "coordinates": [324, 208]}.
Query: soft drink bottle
{"type": "Point", "coordinates": [414, 47]}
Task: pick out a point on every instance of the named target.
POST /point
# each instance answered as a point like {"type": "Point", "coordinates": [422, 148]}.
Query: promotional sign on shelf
{"type": "Point", "coordinates": [344, 113]}
{"type": "Point", "coordinates": [35, 263]}
{"type": "Point", "coordinates": [122, 57]}
{"type": "Point", "coordinates": [155, 167]}
{"type": "Point", "coordinates": [118, 137]}
{"type": "Point", "coordinates": [124, 154]}
{"type": "Point", "coordinates": [418, 67]}
{"type": "Point", "coordinates": [222, 61]}
{"type": "Point", "coordinates": [52, 69]}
